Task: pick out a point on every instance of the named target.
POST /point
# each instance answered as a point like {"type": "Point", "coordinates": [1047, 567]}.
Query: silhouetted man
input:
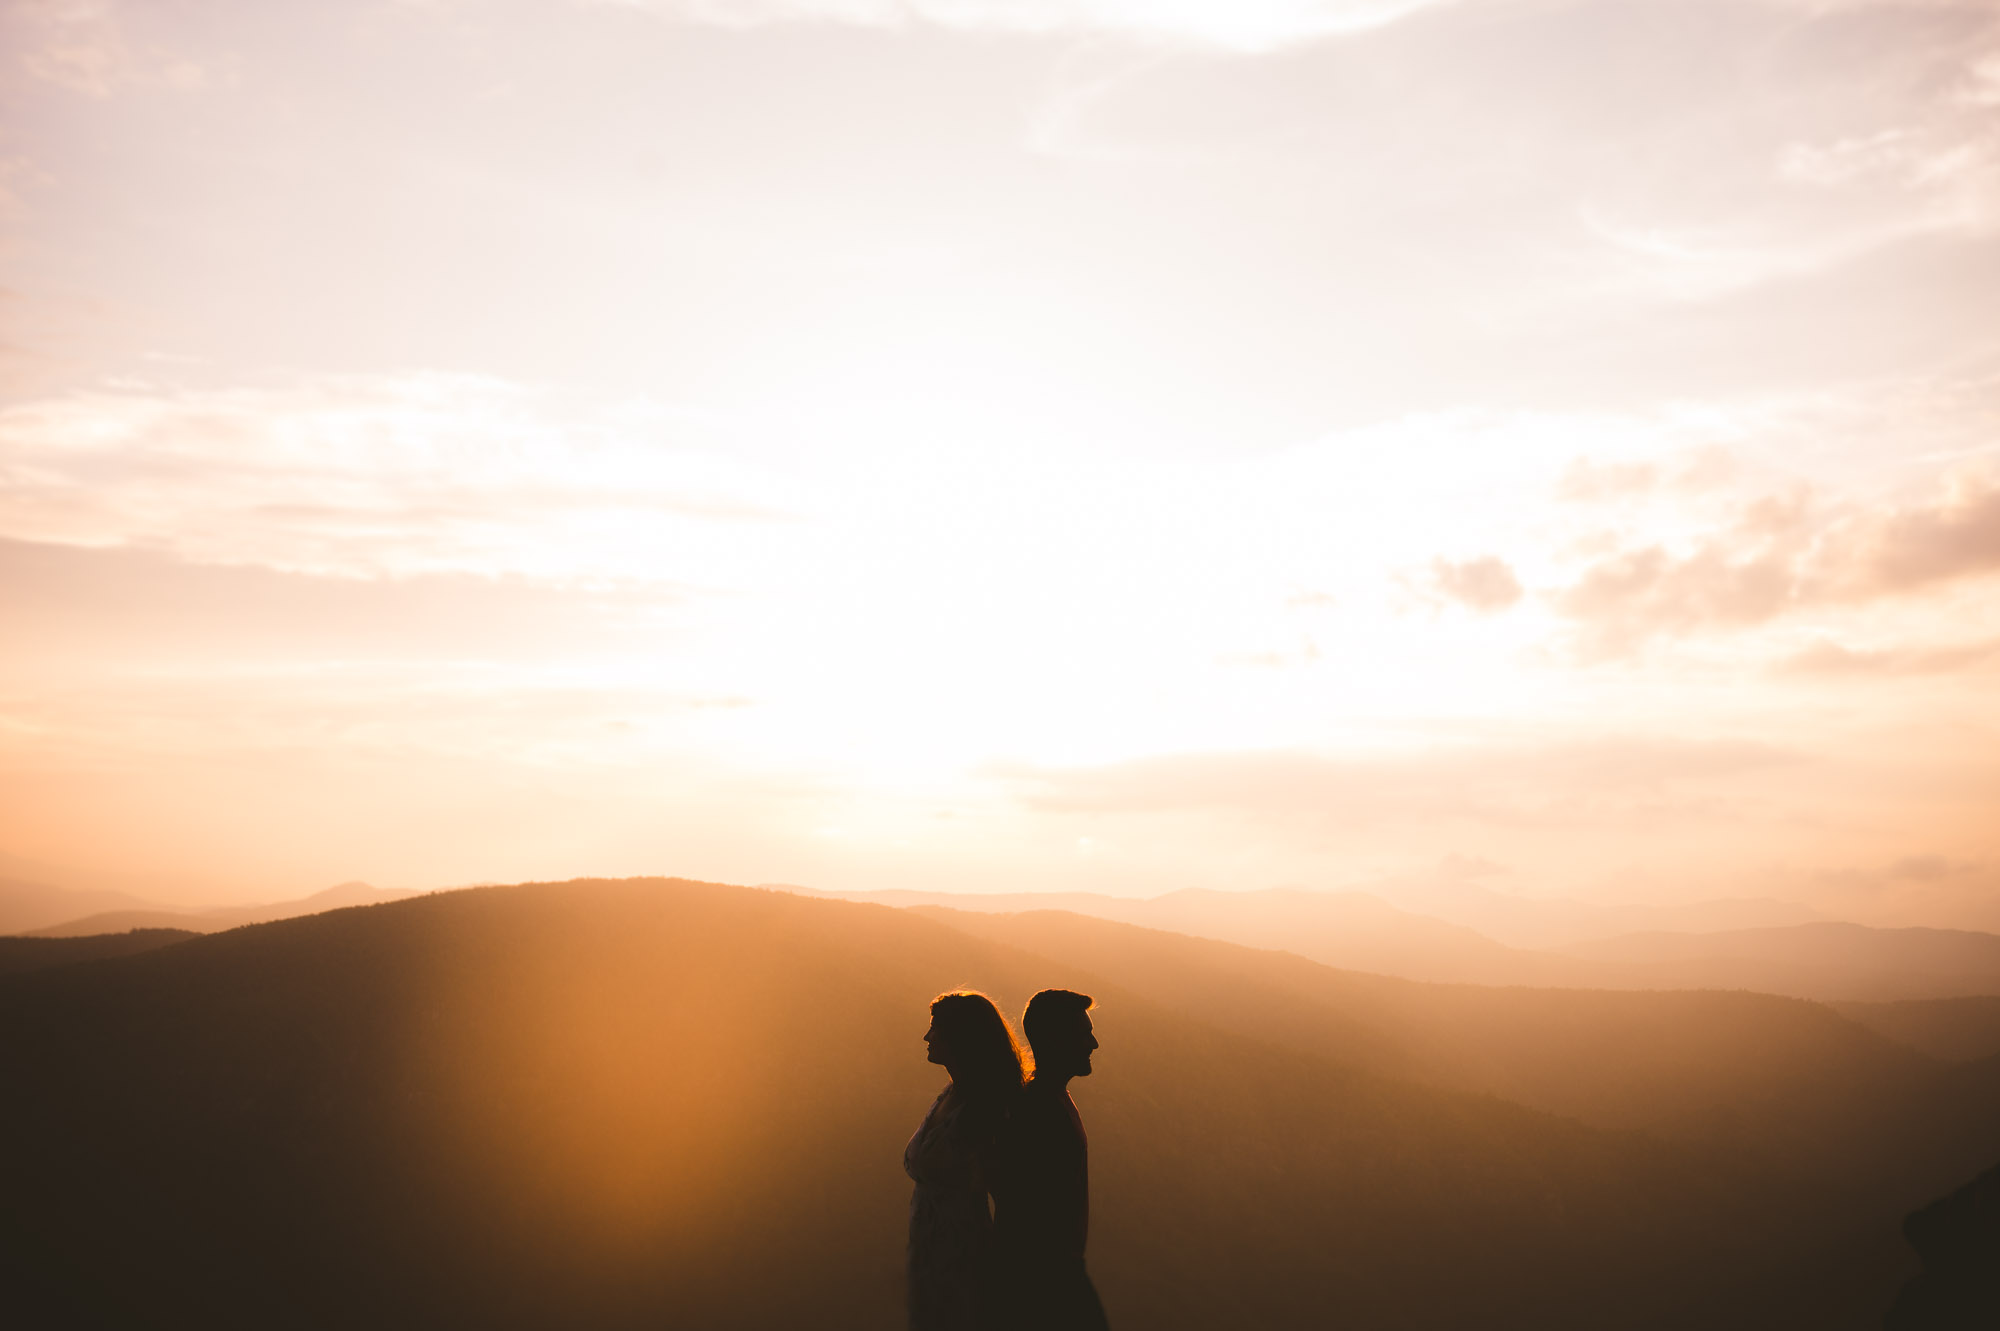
{"type": "Point", "coordinates": [1041, 1197]}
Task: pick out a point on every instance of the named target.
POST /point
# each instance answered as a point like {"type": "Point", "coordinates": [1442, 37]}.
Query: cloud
{"type": "Point", "coordinates": [1462, 868]}
{"type": "Point", "coordinates": [124, 605]}
{"type": "Point", "coordinates": [16, 173]}
{"type": "Point", "coordinates": [368, 476]}
{"type": "Point", "coordinates": [1782, 555]}
{"type": "Point", "coordinates": [1549, 784]}
{"type": "Point", "coordinates": [1248, 25]}
{"type": "Point", "coordinates": [1588, 482]}
{"type": "Point", "coordinates": [1829, 659]}
{"type": "Point", "coordinates": [1745, 575]}
{"type": "Point", "coordinates": [1938, 891]}
{"type": "Point", "coordinates": [1959, 537]}
{"type": "Point", "coordinates": [1631, 816]}
{"type": "Point", "coordinates": [1639, 593]}
{"type": "Point", "coordinates": [86, 46]}
{"type": "Point", "coordinates": [1886, 139]}
{"type": "Point", "coordinates": [1485, 584]}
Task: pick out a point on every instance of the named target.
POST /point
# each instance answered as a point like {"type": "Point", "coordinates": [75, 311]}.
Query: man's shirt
{"type": "Point", "coordinates": [1042, 1191]}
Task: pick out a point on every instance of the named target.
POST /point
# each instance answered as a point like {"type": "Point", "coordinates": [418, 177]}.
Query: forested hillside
{"type": "Point", "coordinates": [656, 1102]}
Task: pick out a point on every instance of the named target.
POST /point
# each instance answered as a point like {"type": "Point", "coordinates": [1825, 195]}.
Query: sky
{"type": "Point", "coordinates": [996, 445]}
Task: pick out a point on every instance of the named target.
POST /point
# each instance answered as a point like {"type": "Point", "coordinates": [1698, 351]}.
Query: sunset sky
{"type": "Point", "coordinates": [994, 445]}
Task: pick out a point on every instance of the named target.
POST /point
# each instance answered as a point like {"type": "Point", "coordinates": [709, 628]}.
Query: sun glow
{"type": "Point", "coordinates": [855, 443]}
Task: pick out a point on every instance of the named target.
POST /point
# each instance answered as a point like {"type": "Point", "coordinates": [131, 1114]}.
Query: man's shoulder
{"type": "Point", "coordinates": [1044, 1094]}
{"type": "Point", "coordinates": [1046, 1108]}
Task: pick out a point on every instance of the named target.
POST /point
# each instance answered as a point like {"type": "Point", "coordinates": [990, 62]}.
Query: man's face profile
{"type": "Point", "coordinates": [1075, 1041]}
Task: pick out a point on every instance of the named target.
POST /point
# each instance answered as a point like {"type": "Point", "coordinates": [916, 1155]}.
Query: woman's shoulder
{"type": "Point", "coordinates": [983, 1115]}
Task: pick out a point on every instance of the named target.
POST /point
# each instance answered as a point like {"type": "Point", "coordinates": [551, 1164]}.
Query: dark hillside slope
{"type": "Point", "coordinates": [1790, 1082]}
{"type": "Point", "coordinates": [1957, 1029]}
{"type": "Point", "coordinates": [674, 1104]}
{"type": "Point", "coordinates": [1958, 1238]}
{"type": "Point", "coordinates": [18, 956]}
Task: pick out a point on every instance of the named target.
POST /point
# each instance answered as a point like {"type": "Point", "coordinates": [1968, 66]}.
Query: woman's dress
{"type": "Point", "coordinates": [951, 1229]}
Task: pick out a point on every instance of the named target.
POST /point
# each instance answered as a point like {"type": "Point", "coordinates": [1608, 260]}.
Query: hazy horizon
{"type": "Point", "coordinates": [624, 1104]}
{"type": "Point", "coordinates": [1071, 445]}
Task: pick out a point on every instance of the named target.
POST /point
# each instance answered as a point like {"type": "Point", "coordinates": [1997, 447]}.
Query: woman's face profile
{"type": "Point", "coordinates": [936, 1048]}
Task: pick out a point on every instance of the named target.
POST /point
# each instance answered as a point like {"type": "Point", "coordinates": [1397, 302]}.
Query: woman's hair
{"type": "Point", "coordinates": [985, 1056]}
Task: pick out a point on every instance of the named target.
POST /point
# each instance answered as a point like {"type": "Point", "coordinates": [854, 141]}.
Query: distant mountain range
{"type": "Point", "coordinates": [1820, 960]}
{"type": "Point", "coordinates": [35, 909]}
{"type": "Point", "coordinates": [1553, 922]}
{"type": "Point", "coordinates": [26, 904]}
{"type": "Point", "coordinates": [1953, 1029]}
{"type": "Point", "coordinates": [1826, 961]}
{"type": "Point", "coordinates": [655, 1102]}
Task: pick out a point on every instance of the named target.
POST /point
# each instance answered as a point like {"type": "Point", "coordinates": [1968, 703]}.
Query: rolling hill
{"type": "Point", "coordinates": [1823, 961]}
{"type": "Point", "coordinates": [21, 955]}
{"type": "Point", "coordinates": [1791, 1083]}
{"type": "Point", "coordinates": [1958, 1030]}
{"type": "Point", "coordinates": [219, 918]}
{"type": "Point", "coordinates": [669, 1103]}
{"type": "Point", "coordinates": [1551, 922]}
{"type": "Point", "coordinates": [28, 904]}
{"type": "Point", "coordinates": [1351, 930]}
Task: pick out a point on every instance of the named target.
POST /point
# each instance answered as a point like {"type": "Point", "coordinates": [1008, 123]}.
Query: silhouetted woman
{"type": "Point", "coordinates": [951, 1229]}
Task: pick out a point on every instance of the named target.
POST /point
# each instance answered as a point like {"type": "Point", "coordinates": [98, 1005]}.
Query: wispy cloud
{"type": "Point", "coordinates": [1591, 481]}
{"type": "Point", "coordinates": [1868, 127]}
{"type": "Point", "coordinates": [1953, 892]}
{"type": "Point", "coordinates": [1233, 24]}
{"type": "Point", "coordinates": [366, 476]}
{"type": "Point", "coordinates": [1485, 584]}
{"type": "Point", "coordinates": [87, 46]}
{"type": "Point", "coordinates": [1913, 548]}
{"type": "Point", "coordinates": [1826, 659]}
{"type": "Point", "coordinates": [1505, 783]}
{"type": "Point", "coordinates": [1785, 554]}
{"type": "Point", "coordinates": [1744, 576]}
{"type": "Point", "coordinates": [76, 608]}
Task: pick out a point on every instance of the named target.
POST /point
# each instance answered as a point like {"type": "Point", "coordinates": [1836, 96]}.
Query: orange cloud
{"type": "Point", "coordinates": [1485, 584]}
{"type": "Point", "coordinates": [68, 602]}
{"type": "Point", "coordinates": [1827, 659]}
{"type": "Point", "coordinates": [1782, 556]}
{"type": "Point", "coordinates": [1917, 547]}
{"type": "Point", "coordinates": [1538, 784]}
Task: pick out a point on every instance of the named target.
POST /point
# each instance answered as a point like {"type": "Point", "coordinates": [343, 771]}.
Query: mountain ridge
{"type": "Point", "coordinates": [1362, 931]}
{"type": "Point", "coordinates": [615, 1101]}
{"type": "Point", "coordinates": [1784, 1080]}
{"type": "Point", "coordinates": [222, 917]}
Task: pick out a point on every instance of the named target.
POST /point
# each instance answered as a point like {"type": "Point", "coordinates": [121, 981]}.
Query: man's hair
{"type": "Point", "coordinates": [1050, 1009]}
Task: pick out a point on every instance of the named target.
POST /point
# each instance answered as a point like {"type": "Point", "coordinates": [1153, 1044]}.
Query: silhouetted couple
{"type": "Point", "coordinates": [997, 1130]}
